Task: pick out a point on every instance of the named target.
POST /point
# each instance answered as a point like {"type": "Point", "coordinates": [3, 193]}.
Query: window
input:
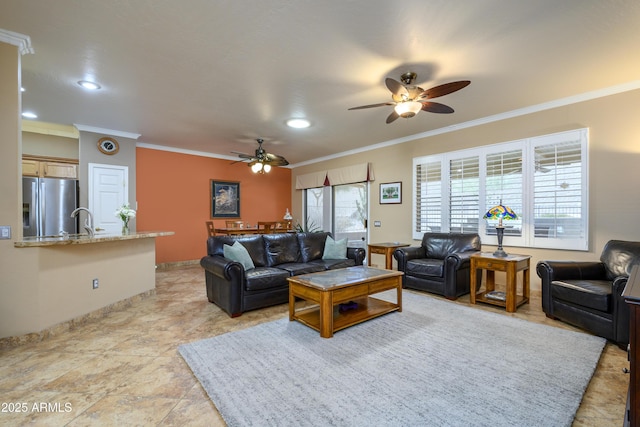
{"type": "Point", "coordinates": [543, 179]}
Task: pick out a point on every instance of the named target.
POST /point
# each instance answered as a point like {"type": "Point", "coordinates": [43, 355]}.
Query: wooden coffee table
{"type": "Point", "coordinates": [329, 289]}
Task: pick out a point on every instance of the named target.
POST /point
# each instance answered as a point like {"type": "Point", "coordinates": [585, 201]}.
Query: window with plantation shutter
{"type": "Point", "coordinates": [543, 180]}
{"type": "Point", "coordinates": [464, 195]}
{"type": "Point", "coordinates": [428, 208]}
{"type": "Point", "coordinates": [559, 194]}
{"type": "Point", "coordinates": [503, 185]}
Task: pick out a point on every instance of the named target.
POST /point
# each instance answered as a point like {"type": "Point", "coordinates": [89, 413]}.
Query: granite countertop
{"type": "Point", "coordinates": [81, 239]}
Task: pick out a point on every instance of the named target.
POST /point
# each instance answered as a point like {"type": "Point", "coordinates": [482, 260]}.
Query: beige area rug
{"type": "Point", "coordinates": [436, 363]}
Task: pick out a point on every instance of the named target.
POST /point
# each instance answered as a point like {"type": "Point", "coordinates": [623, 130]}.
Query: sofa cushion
{"type": "Point", "coordinates": [281, 248]}
{"type": "Point", "coordinates": [298, 268]}
{"type": "Point", "coordinates": [595, 294]}
{"type": "Point", "coordinates": [262, 278]}
{"type": "Point", "coordinates": [335, 249]}
{"type": "Point", "coordinates": [238, 253]}
{"type": "Point", "coordinates": [425, 267]}
{"type": "Point", "coordinates": [311, 245]}
{"type": "Point", "coordinates": [254, 245]}
{"type": "Point", "coordinates": [332, 264]}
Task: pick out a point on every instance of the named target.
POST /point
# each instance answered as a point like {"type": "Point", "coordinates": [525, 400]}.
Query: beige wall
{"type": "Point", "coordinates": [614, 170]}
{"type": "Point", "coordinates": [41, 287]}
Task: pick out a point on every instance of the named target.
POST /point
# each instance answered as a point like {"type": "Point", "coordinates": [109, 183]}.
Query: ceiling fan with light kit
{"type": "Point", "coordinates": [262, 161]}
{"type": "Point", "coordinates": [409, 99]}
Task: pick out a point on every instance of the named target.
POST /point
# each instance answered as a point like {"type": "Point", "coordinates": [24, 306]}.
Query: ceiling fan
{"type": "Point", "coordinates": [262, 161]}
{"type": "Point", "coordinates": [409, 99]}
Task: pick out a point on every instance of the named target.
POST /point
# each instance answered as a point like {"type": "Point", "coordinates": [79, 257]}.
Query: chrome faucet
{"type": "Point", "coordinates": [88, 222]}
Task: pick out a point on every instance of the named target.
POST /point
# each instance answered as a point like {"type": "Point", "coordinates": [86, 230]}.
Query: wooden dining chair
{"type": "Point", "coordinates": [211, 228]}
{"type": "Point", "coordinates": [233, 223]}
{"type": "Point", "coordinates": [282, 226]}
{"type": "Point", "coordinates": [266, 227]}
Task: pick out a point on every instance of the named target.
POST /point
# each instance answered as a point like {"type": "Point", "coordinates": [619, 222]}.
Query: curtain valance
{"type": "Point", "coordinates": [345, 175]}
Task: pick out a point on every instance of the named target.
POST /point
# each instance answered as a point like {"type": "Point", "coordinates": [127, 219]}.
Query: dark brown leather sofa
{"type": "Point", "coordinates": [440, 265]}
{"type": "Point", "coordinates": [276, 257]}
{"type": "Point", "coordinates": [587, 294]}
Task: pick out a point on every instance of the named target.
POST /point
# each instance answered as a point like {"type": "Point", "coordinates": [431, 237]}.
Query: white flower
{"type": "Point", "coordinates": [125, 213]}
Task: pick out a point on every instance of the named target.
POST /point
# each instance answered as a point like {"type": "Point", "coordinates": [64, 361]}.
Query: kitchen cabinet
{"type": "Point", "coordinates": [42, 168]}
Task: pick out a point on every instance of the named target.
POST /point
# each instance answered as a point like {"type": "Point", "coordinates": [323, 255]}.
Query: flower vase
{"type": "Point", "coordinates": [125, 229]}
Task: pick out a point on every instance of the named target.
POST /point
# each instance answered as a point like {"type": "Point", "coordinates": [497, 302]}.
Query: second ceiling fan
{"type": "Point", "coordinates": [262, 161]}
{"type": "Point", "coordinates": [409, 100]}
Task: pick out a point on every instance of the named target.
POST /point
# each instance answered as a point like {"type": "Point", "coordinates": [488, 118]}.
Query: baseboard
{"type": "Point", "coordinates": [177, 264]}
{"type": "Point", "coordinates": [69, 325]}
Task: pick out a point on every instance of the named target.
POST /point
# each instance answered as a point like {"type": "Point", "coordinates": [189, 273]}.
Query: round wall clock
{"type": "Point", "coordinates": [108, 145]}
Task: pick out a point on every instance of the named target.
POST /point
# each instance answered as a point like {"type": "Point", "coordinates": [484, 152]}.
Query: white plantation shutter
{"type": "Point", "coordinates": [464, 199]}
{"type": "Point", "coordinates": [428, 197]}
{"type": "Point", "coordinates": [504, 184]}
{"type": "Point", "coordinates": [559, 192]}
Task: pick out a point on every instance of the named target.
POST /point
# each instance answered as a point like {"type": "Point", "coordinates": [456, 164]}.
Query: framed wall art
{"type": "Point", "coordinates": [390, 193]}
{"type": "Point", "coordinates": [225, 199]}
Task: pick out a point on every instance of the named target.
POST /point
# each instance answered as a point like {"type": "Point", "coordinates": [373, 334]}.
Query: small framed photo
{"type": "Point", "coordinates": [225, 199]}
{"type": "Point", "coordinates": [390, 193]}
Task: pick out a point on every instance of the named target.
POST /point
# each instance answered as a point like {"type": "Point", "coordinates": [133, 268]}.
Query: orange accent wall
{"type": "Point", "coordinates": [173, 192]}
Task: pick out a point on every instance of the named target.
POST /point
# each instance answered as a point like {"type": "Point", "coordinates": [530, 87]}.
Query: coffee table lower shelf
{"type": "Point", "coordinates": [368, 308]}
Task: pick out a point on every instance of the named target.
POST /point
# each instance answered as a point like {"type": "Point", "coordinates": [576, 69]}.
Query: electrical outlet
{"type": "Point", "coordinates": [5, 231]}
{"type": "Point", "coordinates": [377, 223]}
{"type": "Point", "coordinates": [95, 283]}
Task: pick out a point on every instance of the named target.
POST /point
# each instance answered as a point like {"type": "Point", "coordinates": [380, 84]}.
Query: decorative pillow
{"type": "Point", "coordinates": [335, 249]}
{"type": "Point", "coordinates": [238, 253]}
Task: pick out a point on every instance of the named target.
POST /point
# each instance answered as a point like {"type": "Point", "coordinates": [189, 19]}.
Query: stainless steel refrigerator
{"type": "Point", "coordinates": [47, 204]}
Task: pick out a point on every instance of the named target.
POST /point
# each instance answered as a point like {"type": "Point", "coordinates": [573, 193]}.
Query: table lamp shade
{"type": "Point", "coordinates": [500, 212]}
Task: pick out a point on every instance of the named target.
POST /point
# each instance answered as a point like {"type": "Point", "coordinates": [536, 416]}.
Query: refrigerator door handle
{"type": "Point", "coordinates": [41, 208]}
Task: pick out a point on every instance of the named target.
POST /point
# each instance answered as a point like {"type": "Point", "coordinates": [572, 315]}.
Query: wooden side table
{"type": "Point", "coordinates": [511, 264]}
{"type": "Point", "coordinates": [385, 249]}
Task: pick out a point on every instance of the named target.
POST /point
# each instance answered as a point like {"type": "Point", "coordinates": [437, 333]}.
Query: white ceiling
{"type": "Point", "coordinates": [212, 76]}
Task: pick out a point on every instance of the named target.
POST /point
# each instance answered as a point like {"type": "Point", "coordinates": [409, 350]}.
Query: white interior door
{"type": "Point", "coordinates": [108, 190]}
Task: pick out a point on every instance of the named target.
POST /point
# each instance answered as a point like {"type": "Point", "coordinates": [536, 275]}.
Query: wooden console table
{"type": "Point", "coordinates": [511, 264]}
{"type": "Point", "coordinates": [631, 295]}
{"type": "Point", "coordinates": [385, 249]}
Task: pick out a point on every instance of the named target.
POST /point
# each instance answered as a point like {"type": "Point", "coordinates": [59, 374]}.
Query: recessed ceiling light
{"type": "Point", "coordinates": [298, 123]}
{"type": "Point", "coordinates": [29, 115]}
{"type": "Point", "coordinates": [89, 85]}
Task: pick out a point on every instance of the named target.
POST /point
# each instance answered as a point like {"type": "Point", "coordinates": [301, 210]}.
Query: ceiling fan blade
{"type": "Point", "coordinates": [276, 160]}
{"type": "Point", "coordinates": [396, 87]}
{"type": "Point", "coordinates": [434, 107]}
{"type": "Point", "coordinates": [372, 105]}
{"type": "Point", "coordinates": [238, 161]}
{"type": "Point", "coordinates": [444, 89]}
{"type": "Point", "coordinates": [392, 117]}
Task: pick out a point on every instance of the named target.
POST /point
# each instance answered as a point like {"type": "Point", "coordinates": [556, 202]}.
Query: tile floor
{"type": "Point", "coordinates": [124, 369]}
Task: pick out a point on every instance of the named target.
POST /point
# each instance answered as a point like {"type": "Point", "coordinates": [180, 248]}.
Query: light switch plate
{"type": "Point", "coordinates": [5, 231]}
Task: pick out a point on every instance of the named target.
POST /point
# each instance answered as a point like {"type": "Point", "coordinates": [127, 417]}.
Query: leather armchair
{"type": "Point", "coordinates": [587, 294]}
{"type": "Point", "coordinates": [440, 264]}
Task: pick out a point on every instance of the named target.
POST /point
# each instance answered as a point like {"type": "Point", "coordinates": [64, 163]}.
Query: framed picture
{"type": "Point", "coordinates": [390, 192]}
{"type": "Point", "coordinates": [225, 199]}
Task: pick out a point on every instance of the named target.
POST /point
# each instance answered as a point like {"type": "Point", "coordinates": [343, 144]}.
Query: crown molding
{"type": "Point", "coordinates": [23, 42]}
{"type": "Point", "coordinates": [111, 132]}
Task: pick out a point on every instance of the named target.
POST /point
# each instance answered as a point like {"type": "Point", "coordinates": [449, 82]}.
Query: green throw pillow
{"type": "Point", "coordinates": [335, 249]}
{"type": "Point", "coordinates": [238, 253]}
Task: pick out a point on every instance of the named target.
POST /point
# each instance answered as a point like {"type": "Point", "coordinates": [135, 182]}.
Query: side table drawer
{"type": "Point", "coordinates": [487, 264]}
